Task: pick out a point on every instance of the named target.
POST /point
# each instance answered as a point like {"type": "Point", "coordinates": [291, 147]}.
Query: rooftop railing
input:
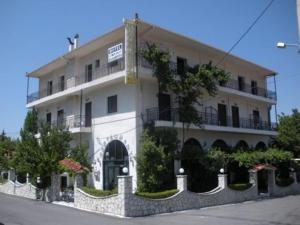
{"type": "Point", "coordinates": [208, 118]}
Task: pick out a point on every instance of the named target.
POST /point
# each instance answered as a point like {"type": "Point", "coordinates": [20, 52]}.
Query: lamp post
{"type": "Point", "coordinates": [284, 45]}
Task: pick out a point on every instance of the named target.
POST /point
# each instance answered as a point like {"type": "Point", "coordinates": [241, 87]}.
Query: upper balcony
{"type": "Point", "coordinates": [232, 86]}
{"type": "Point", "coordinates": [170, 117]}
{"type": "Point", "coordinates": [77, 80]}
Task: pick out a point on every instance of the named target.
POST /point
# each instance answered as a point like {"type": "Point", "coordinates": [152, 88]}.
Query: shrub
{"type": "Point", "coordinates": [284, 182]}
{"type": "Point", "coordinates": [98, 193]}
{"type": "Point", "coordinates": [2, 180]}
{"type": "Point", "coordinates": [157, 195]}
{"type": "Point", "coordinates": [240, 187]}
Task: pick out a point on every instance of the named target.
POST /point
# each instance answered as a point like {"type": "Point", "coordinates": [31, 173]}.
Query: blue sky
{"type": "Point", "coordinates": [33, 32]}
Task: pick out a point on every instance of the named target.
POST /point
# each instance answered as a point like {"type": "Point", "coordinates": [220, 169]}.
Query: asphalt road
{"type": "Point", "coordinates": [279, 211]}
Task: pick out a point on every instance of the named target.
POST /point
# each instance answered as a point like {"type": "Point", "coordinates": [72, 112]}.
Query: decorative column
{"type": "Point", "coordinates": [11, 175]}
{"type": "Point", "coordinates": [222, 180]}
{"type": "Point", "coordinates": [27, 178]}
{"type": "Point", "coordinates": [253, 179]}
{"type": "Point", "coordinates": [182, 182]}
{"type": "Point", "coordinates": [125, 193]}
{"type": "Point", "coordinates": [78, 182]}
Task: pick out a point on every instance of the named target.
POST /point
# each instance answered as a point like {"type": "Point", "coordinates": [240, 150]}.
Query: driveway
{"type": "Point", "coordinates": [278, 211]}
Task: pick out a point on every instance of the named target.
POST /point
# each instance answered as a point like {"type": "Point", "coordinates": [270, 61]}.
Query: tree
{"type": "Point", "coordinates": [189, 86]}
{"type": "Point", "coordinates": [289, 132]}
{"type": "Point", "coordinates": [151, 165]}
{"type": "Point", "coordinates": [7, 150]}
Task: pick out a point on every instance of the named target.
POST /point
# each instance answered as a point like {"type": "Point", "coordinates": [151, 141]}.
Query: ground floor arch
{"type": "Point", "coordinates": [220, 144]}
{"type": "Point", "coordinates": [200, 178]}
{"type": "Point", "coordinates": [114, 160]}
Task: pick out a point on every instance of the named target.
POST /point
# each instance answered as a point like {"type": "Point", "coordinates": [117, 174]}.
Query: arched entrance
{"type": "Point", "coordinates": [200, 178]}
{"type": "Point", "coordinates": [260, 146]}
{"type": "Point", "coordinates": [242, 146]}
{"type": "Point", "coordinates": [115, 158]}
{"type": "Point", "coordinates": [220, 144]}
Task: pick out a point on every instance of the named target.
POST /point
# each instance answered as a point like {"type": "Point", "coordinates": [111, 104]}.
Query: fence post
{"type": "Point", "coordinates": [222, 180]}
{"type": "Point", "coordinates": [181, 182]}
{"type": "Point", "coordinates": [125, 192]}
{"type": "Point", "coordinates": [27, 178]}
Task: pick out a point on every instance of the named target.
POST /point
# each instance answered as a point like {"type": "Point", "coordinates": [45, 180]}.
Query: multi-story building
{"type": "Point", "coordinates": [104, 94]}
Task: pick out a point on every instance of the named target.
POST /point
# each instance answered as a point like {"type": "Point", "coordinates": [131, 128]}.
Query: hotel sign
{"type": "Point", "coordinates": [115, 52]}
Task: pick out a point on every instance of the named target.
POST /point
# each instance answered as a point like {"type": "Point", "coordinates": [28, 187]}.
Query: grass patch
{"type": "Point", "coordinates": [99, 193]}
{"type": "Point", "coordinates": [284, 182]}
{"type": "Point", "coordinates": [240, 187]}
{"type": "Point", "coordinates": [157, 195]}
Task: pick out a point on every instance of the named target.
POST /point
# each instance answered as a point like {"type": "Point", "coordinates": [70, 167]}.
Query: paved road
{"type": "Point", "coordinates": [280, 211]}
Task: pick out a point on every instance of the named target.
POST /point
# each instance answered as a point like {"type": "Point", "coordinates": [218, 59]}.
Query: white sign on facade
{"type": "Point", "coordinates": [115, 52]}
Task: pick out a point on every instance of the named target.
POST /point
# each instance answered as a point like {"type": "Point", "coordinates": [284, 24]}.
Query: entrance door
{"type": "Point", "coordinates": [235, 116]}
{"type": "Point", "coordinates": [262, 180]}
{"type": "Point", "coordinates": [222, 115]}
{"type": "Point", "coordinates": [60, 117]}
{"type": "Point", "coordinates": [88, 114]}
{"type": "Point", "coordinates": [164, 105]}
{"type": "Point", "coordinates": [256, 119]}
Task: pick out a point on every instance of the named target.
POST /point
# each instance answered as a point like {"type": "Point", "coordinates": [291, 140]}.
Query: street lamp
{"type": "Point", "coordinates": [284, 45]}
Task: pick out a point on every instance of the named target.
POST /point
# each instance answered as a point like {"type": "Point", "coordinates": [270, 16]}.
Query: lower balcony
{"type": "Point", "coordinates": [213, 122]}
{"type": "Point", "coordinates": [74, 123]}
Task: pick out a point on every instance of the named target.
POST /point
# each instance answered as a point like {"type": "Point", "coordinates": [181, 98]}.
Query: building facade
{"type": "Point", "coordinates": [104, 93]}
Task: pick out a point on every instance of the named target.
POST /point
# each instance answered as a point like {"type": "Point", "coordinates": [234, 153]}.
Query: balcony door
{"type": "Point", "coordinates": [235, 116]}
{"type": "Point", "coordinates": [164, 105]}
{"type": "Point", "coordinates": [88, 114]}
{"type": "Point", "coordinates": [89, 73]}
{"type": "Point", "coordinates": [222, 115]}
{"type": "Point", "coordinates": [60, 117]}
{"type": "Point", "coordinates": [256, 119]}
{"type": "Point", "coordinates": [241, 83]}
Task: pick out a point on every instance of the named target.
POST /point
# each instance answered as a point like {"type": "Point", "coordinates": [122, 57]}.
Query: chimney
{"type": "Point", "coordinates": [71, 44]}
{"type": "Point", "coordinates": [76, 41]}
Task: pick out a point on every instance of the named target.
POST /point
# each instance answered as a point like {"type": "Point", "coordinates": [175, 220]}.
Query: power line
{"type": "Point", "coordinates": [246, 32]}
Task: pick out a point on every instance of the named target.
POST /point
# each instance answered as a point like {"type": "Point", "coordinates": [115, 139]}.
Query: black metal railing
{"type": "Point", "coordinates": [208, 118]}
{"type": "Point", "coordinates": [75, 121]}
{"type": "Point", "coordinates": [82, 78]}
{"type": "Point", "coordinates": [248, 88]}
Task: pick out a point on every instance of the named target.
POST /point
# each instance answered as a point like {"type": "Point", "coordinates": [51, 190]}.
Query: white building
{"type": "Point", "coordinates": [94, 90]}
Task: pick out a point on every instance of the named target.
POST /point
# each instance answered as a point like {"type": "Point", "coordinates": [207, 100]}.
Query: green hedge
{"type": "Point", "coordinates": [157, 195]}
{"type": "Point", "coordinates": [284, 182]}
{"type": "Point", "coordinates": [2, 180]}
{"type": "Point", "coordinates": [99, 193]}
{"type": "Point", "coordinates": [240, 187]}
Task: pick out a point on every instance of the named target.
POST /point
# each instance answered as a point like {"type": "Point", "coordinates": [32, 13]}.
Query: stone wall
{"type": "Point", "coordinates": [125, 203]}
{"type": "Point", "coordinates": [26, 190]}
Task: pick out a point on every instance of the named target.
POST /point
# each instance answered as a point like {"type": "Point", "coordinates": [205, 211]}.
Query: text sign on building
{"type": "Point", "coordinates": [115, 52]}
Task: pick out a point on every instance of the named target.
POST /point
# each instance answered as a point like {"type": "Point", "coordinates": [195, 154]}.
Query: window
{"type": "Point", "coordinates": [97, 63]}
{"type": "Point", "coordinates": [61, 84]}
{"type": "Point", "coordinates": [48, 118]}
{"type": "Point", "coordinates": [254, 87]}
{"type": "Point", "coordinates": [241, 83]}
{"type": "Point", "coordinates": [181, 66]}
{"type": "Point", "coordinates": [112, 104]}
{"type": "Point", "coordinates": [49, 87]}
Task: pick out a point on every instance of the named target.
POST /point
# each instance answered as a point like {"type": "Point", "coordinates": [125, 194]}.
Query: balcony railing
{"type": "Point", "coordinates": [85, 77]}
{"type": "Point", "coordinates": [231, 83]}
{"type": "Point", "coordinates": [208, 118]}
{"type": "Point", "coordinates": [73, 121]}
{"type": "Point", "coordinates": [234, 84]}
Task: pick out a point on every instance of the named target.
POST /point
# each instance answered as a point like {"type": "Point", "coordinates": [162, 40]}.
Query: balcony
{"type": "Point", "coordinates": [231, 83]}
{"type": "Point", "coordinates": [208, 118]}
{"type": "Point", "coordinates": [74, 81]}
{"type": "Point", "coordinates": [247, 88]}
{"type": "Point", "coordinates": [74, 123]}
